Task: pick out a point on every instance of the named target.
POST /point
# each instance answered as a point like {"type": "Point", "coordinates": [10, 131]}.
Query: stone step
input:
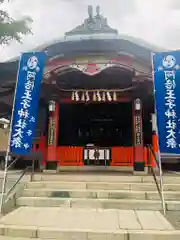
{"type": "Point", "coordinates": [17, 238]}
{"type": "Point", "coordinates": [91, 203]}
{"type": "Point", "coordinates": [101, 185]}
{"type": "Point", "coordinates": [60, 234]}
{"type": "Point", "coordinates": [109, 194]}
{"type": "Point", "coordinates": [86, 224]}
{"type": "Point", "coordinates": [134, 204]}
{"type": "Point", "coordinates": [98, 177]}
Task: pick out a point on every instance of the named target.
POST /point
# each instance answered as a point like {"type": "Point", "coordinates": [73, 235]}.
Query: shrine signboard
{"type": "Point", "coordinates": [166, 75]}
{"type": "Point", "coordinates": [138, 130]}
{"type": "Point", "coordinates": [52, 130]}
{"type": "Point", "coordinates": [26, 101]}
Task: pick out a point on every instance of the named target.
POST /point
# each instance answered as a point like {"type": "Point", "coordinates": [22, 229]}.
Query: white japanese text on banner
{"type": "Point", "coordinates": [26, 101]}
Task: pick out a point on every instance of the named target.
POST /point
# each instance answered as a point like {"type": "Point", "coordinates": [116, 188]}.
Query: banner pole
{"type": "Point", "coordinates": [8, 147]}
{"type": "Point", "coordinates": [159, 154]}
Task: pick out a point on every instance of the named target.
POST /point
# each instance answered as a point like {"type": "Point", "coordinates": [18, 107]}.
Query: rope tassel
{"type": "Point", "coordinates": [94, 96]}
{"type": "Point", "coordinates": [76, 96]}
{"type": "Point", "coordinates": [104, 96]}
{"type": "Point", "coordinates": [109, 97]}
{"type": "Point", "coordinates": [83, 97]}
{"type": "Point", "coordinates": [114, 96]}
{"type": "Point", "coordinates": [72, 96]}
{"type": "Point", "coordinates": [87, 96]}
{"type": "Point", "coordinates": [98, 96]}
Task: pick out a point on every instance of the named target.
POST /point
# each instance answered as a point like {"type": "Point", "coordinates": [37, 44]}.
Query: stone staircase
{"type": "Point", "coordinates": [92, 206]}
{"type": "Point", "coordinates": [123, 192]}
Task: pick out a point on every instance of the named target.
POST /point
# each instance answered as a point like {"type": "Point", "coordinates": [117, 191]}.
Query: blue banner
{"type": "Point", "coordinates": [26, 101]}
{"type": "Point", "coordinates": [167, 97]}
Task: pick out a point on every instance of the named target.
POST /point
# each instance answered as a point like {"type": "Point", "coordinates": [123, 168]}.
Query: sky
{"type": "Point", "coordinates": [156, 21]}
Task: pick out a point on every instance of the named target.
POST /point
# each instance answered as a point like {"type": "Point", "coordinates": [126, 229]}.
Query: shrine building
{"type": "Point", "coordinates": [96, 99]}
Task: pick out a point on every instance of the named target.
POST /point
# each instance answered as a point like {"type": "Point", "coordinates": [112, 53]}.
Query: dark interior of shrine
{"type": "Point", "coordinates": [100, 124]}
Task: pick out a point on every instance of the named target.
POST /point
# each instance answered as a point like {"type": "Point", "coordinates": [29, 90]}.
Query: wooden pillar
{"type": "Point", "coordinates": [53, 131]}
{"type": "Point", "coordinates": [155, 144]}
{"type": "Point", "coordinates": [139, 164]}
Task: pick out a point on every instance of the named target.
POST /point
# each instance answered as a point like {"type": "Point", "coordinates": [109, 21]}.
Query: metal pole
{"type": "Point", "coordinates": [32, 169]}
{"type": "Point", "coordinates": [6, 165]}
{"type": "Point", "coordinates": [159, 154]}
{"type": "Point", "coordinates": [154, 128]}
{"type": "Point", "coordinates": [8, 147]}
{"type": "Point", "coordinates": [160, 173]}
{"type": "Point", "coordinates": [161, 183]}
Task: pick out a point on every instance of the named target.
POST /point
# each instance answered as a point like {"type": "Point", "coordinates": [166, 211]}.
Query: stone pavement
{"type": "Point", "coordinates": [51, 223]}
{"type": "Point", "coordinates": [98, 219]}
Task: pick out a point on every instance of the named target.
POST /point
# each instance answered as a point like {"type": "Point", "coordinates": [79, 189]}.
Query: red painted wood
{"type": "Point", "coordinates": [70, 156]}
{"type": "Point", "coordinates": [73, 156]}
{"type": "Point", "coordinates": [40, 146]}
{"type": "Point", "coordinates": [122, 156]}
{"type": "Point", "coordinates": [54, 64]}
{"type": "Point", "coordinates": [155, 147]}
{"type": "Point", "coordinates": [51, 150]}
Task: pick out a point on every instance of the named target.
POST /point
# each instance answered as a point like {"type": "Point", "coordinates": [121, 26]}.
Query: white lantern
{"type": "Point", "coordinates": [154, 124]}
{"type": "Point", "coordinates": [51, 106]}
{"type": "Point", "coordinates": [87, 96]}
{"type": "Point", "coordinates": [138, 104]}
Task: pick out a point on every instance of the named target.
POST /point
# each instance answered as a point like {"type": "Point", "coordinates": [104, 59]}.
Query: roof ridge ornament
{"type": "Point", "coordinates": [97, 22]}
{"type": "Point", "coordinates": [90, 11]}
{"type": "Point", "coordinates": [94, 24]}
{"type": "Point", "coordinates": [98, 11]}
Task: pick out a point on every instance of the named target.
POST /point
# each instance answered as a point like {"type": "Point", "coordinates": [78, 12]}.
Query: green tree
{"type": "Point", "coordinates": [11, 29]}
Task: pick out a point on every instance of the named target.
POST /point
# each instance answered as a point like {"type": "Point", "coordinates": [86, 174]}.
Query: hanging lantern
{"type": "Point", "coordinates": [83, 97]}
{"type": "Point", "coordinates": [114, 96]}
{"type": "Point", "coordinates": [87, 96]}
{"type": "Point", "coordinates": [138, 104]}
{"type": "Point", "coordinates": [109, 97]}
{"type": "Point", "coordinates": [104, 96]}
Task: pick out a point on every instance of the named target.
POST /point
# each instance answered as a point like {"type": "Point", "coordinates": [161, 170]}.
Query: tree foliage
{"type": "Point", "coordinates": [11, 29]}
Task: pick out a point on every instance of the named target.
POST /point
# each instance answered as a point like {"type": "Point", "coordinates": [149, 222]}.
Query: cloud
{"type": "Point", "coordinates": [156, 21]}
{"type": "Point", "coordinates": [174, 4]}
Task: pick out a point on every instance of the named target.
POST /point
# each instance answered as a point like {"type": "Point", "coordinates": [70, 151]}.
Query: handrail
{"type": "Point", "coordinates": [18, 180]}
{"type": "Point", "coordinates": [5, 196]}
{"type": "Point", "coordinates": [159, 188]}
{"type": "Point", "coordinates": [12, 163]}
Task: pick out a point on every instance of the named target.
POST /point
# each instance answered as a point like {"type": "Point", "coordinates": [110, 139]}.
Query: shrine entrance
{"type": "Point", "coordinates": [97, 127]}
{"type": "Point", "coordinates": [99, 114]}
